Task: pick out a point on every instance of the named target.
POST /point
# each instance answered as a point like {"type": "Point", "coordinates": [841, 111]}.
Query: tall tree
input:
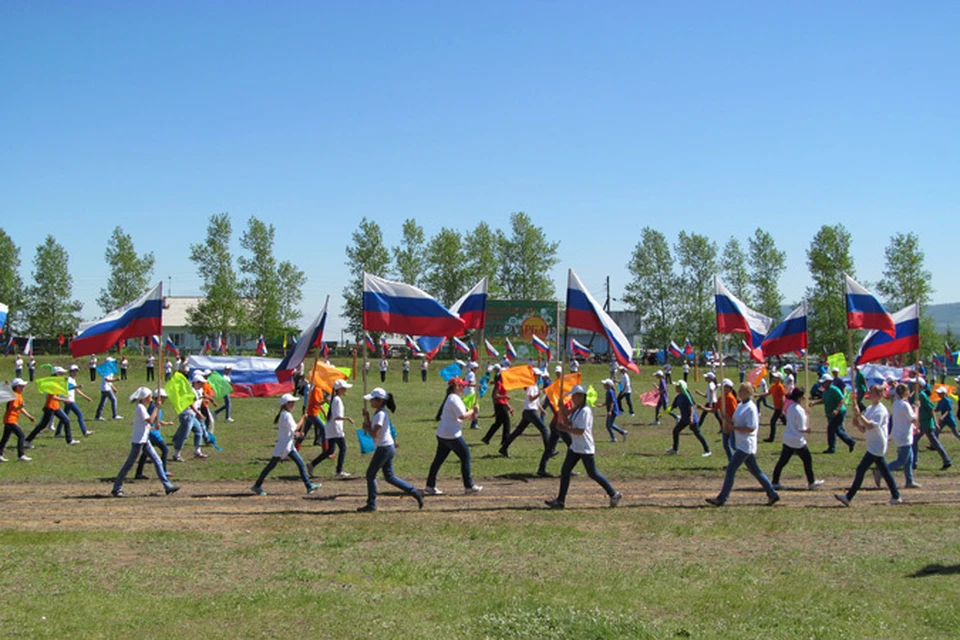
{"type": "Point", "coordinates": [409, 256]}
{"type": "Point", "coordinates": [733, 270]}
{"type": "Point", "coordinates": [367, 253]}
{"type": "Point", "coordinates": [482, 257]}
{"type": "Point", "coordinates": [697, 255]}
{"type": "Point", "coordinates": [767, 264]}
{"type": "Point", "coordinates": [905, 277]}
{"type": "Point", "coordinates": [49, 307]}
{"type": "Point", "coordinates": [653, 290]}
{"type": "Point", "coordinates": [221, 308]}
{"type": "Point", "coordinates": [272, 290]}
{"type": "Point", "coordinates": [130, 272]}
{"type": "Point", "coordinates": [446, 277]}
{"type": "Point", "coordinates": [526, 258]}
{"type": "Point", "coordinates": [11, 284]}
{"type": "Point", "coordinates": [828, 258]}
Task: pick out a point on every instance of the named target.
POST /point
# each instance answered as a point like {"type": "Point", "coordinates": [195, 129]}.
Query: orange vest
{"type": "Point", "coordinates": [52, 403]}
{"type": "Point", "coordinates": [14, 407]}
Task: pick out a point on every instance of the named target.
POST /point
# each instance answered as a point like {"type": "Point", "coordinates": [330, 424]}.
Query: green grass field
{"type": "Point", "coordinates": [216, 561]}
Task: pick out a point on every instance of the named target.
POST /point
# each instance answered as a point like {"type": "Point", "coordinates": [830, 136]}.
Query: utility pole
{"type": "Point", "coordinates": [606, 304]}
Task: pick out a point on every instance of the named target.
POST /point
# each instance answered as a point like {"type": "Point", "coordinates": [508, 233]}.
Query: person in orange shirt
{"type": "Point", "coordinates": [777, 392]}
{"type": "Point", "coordinates": [209, 395]}
{"type": "Point", "coordinates": [314, 412]}
{"type": "Point", "coordinates": [10, 419]}
{"type": "Point", "coordinates": [729, 404]}
{"type": "Point", "coordinates": [51, 410]}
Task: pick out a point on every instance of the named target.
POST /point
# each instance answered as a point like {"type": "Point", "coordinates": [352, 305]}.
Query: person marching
{"type": "Point", "coordinates": [142, 419]}
{"type": "Point", "coordinates": [70, 404]}
{"type": "Point", "coordinates": [795, 441]}
{"type": "Point", "coordinates": [155, 437]}
{"type": "Point", "coordinates": [227, 372]}
{"type": "Point", "coordinates": [684, 404]}
{"type": "Point", "coordinates": [945, 409]}
{"type": "Point", "coordinates": [530, 415]}
{"type": "Point", "coordinates": [555, 436]}
{"type": "Point", "coordinates": [745, 424]}
{"type": "Point", "coordinates": [333, 430]}
{"type": "Point", "coordinates": [927, 426]}
{"type": "Point", "coordinates": [729, 405]}
{"type": "Point", "coordinates": [613, 410]}
{"type": "Point", "coordinates": [626, 391]}
{"type": "Point", "coordinates": [190, 421]}
{"type": "Point", "coordinates": [836, 413]}
{"type": "Point", "coordinates": [287, 431]}
{"type": "Point", "coordinates": [501, 409]}
{"type": "Point", "coordinates": [51, 410]}
{"type": "Point", "coordinates": [873, 423]}
{"type": "Point", "coordinates": [471, 388]}
{"type": "Point", "coordinates": [450, 438]}
{"type": "Point", "coordinates": [578, 422]}
{"type": "Point", "coordinates": [710, 406]}
{"type": "Point", "coordinates": [378, 427]}
{"type": "Point", "coordinates": [903, 431]}
{"type": "Point", "coordinates": [661, 396]}
{"type": "Point", "coordinates": [11, 417]}
{"type": "Point", "coordinates": [315, 400]}
{"type": "Point", "coordinates": [778, 392]}
{"type": "Point", "coordinates": [107, 392]}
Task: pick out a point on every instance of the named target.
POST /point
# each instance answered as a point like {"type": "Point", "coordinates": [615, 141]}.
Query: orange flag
{"type": "Point", "coordinates": [570, 380]}
{"type": "Point", "coordinates": [756, 375]}
{"type": "Point", "coordinates": [518, 377]}
{"type": "Point", "coordinates": [323, 376]}
{"type": "Point", "coordinates": [935, 397]}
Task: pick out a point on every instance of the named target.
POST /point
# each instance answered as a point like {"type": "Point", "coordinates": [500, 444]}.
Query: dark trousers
{"type": "Point", "coordinates": [406, 376]}
{"type": "Point", "coordinates": [625, 395]}
{"type": "Point", "coordinates": [123, 376]}
{"type": "Point", "coordinates": [93, 375]}
{"type": "Point", "coordinates": [159, 443]}
{"type": "Point", "coordinates": [590, 464]}
{"type": "Point", "coordinates": [225, 407]}
{"type": "Point", "coordinates": [383, 376]}
{"type": "Point", "coordinates": [383, 459]}
{"type": "Point", "coordinates": [708, 412]}
{"type": "Point", "coordinates": [501, 418]}
{"type": "Point", "coordinates": [8, 430]}
{"type": "Point", "coordinates": [866, 462]}
{"type": "Point", "coordinates": [551, 448]}
{"type": "Point", "coordinates": [149, 374]}
{"type": "Point", "coordinates": [274, 461]}
{"type": "Point", "coordinates": [788, 452]}
{"type": "Point", "coordinates": [835, 430]}
{"type": "Point", "coordinates": [694, 428]}
{"type": "Point", "coordinates": [529, 416]}
{"type": "Point", "coordinates": [423, 375]}
{"type": "Point", "coordinates": [777, 415]}
{"type": "Point", "coordinates": [47, 419]}
{"type": "Point", "coordinates": [318, 427]}
{"type": "Point", "coordinates": [934, 442]}
{"type": "Point", "coordinates": [340, 444]}
{"type": "Point", "coordinates": [459, 447]}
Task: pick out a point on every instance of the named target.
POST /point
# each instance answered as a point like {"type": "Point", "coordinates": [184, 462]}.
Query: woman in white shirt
{"type": "Point", "coordinates": [530, 415]}
{"type": "Point", "coordinates": [107, 392]}
{"type": "Point", "coordinates": [333, 430]}
{"type": "Point", "coordinates": [378, 427]}
{"type": "Point", "coordinates": [578, 422]}
{"type": "Point", "coordinates": [795, 440]}
{"type": "Point", "coordinates": [745, 423]}
{"type": "Point", "coordinates": [873, 423]}
{"type": "Point", "coordinates": [905, 427]}
{"type": "Point", "coordinates": [287, 431]}
{"type": "Point", "coordinates": [450, 438]}
{"type": "Point", "coordinates": [142, 420]}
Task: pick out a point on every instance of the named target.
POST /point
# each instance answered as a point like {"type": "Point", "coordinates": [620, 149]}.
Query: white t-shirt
{"type": "Point", "coordinates": [286, 429]}
{"type": "Point", "coordinates": [532, 405]}
{"type": "Point", "coordinates": [686, 368]}
{"type": "Point", "coordinates": [789, 383]}
{"type": "Point", "coordinates": [149, 362]}
{"type": "Point", "coordinates": [471, 379]}
{"type": "Point", "coordinates": [583, 443]}
{"type": "Point", "coordinates": [796, 423]}
{"type": "Point", "coordinates": [334, 428]}
{"type": "Point", "coordinates": [424, 365]}
{"type": "Point", "coordinates": [18, 363]}
{"type": "Point", "coordinates": [383, 438]}
{"type": "Point", "coordinates": [92, 363]}
{"type": "Point", "coordinates": [877, 437]}
{"type": "Point", "coordinates": [449, 427]}
{"type": "Point", "coordinates": [711, 392]}
{"type": "Point", "coordinates": [903, 416]}
{"type": "Point", "coordinates": [764, 387]}
{"type": "Point", "coordinates": [168, 366]}
{"type": "Point", "coordinates": [625, 381]}
{"type": "Point", "coordinates": [141, 426]}
{"type": "Point", "coordinates": [574, 366]}
{"type": "Point", "coordinates": [123, 363]}
{"type": "Point", "coordinates": [383, 365]}
{"type": "Point", "coordinates": [746, 415]}
{"type": "Point", "coordinates": [406, 365]}
{"type": "Point", "coordinates": [105, 385]}
{"type": "Point", "coordinates": [668, 368]}
{"type": "Point", "coordinates": [71, 389]}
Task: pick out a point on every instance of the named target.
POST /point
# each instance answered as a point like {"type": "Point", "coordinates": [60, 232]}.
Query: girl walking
{"type": "Point", "coordinates": [155, 437]}
{"type": "Point", "coordinates": [903, 431]}
{"type": "Point", "coordinates": [378, 427]}
{"type": "Point", "coordinates": [613, 410]}
{"type": "Point", "coordinates": [142, 419]}
{"type": "Point", "coordinates": [450, 438]}
{"type": "Point", "coordinates": [287, 430]}
{"type": "Point", "coordinates": [501, 410]}
{"type": "Point", "coordinates": [107, 392]}
{"type": "Point", "coordinates": [11, 417]}
{"type": "Point", "coordinates": [333, 430]}
{"type": "Point", "coordinates": [873, 423]}
{"type": "Point", "coordinates": [683, 403]}
{"type": "Point", "coordinates": [795, 440]}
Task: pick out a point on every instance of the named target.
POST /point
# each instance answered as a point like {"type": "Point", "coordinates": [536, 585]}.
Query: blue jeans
{"type": "Point", "coordinates": [71, 407]}
{"type": "Point", "coordinates": [45, 421]}
{"type": "Point", "coordinates": [613, 428]}
{"type": "Point", "coordinates": [729, 444]}
{"type": "Point", "coordinates": [529, 416]}
{"type": "Point", "coordinates": [333, 443]}
{"type": "Point", "coordinates": [156, 439]}
{"type": "Point", "coordinates": [318, 427]}
{"type": "Point", "coordinates": [188, 423]}
{"type": "Point", "coordinates": [383, 459]}
{"type": "Point", "coordinates": [225, 407]}
{"type": "Point", "coordinates": [904, 461]}
{"type": "Point", "coordinates": [835, 430]}
{"type": "Point", "coordinates": [274, 461]}
{"type": "Point", "coordinates": [104, 395]}
{"type": "Point", "coordinates": [934, 442]}
{"type": "Point", "coordinates": [866, 462]}
{"type": "Point", "coordinates": [135, 450]}
{"type": "Point", "coordinates": [750, 460]}
{"type": "Point", "coordinates": [590, 464]}
{"type": "Point", "coordinates": [462, 451]}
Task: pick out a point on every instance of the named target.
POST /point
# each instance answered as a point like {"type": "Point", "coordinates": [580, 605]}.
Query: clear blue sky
{"type": "Point", "coordinates": [595, 118]}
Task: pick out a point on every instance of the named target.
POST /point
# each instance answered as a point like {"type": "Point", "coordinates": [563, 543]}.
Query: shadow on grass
{"type": "Point", "coordinates": [520, 477]}
{"type": "Point", "coordinates": [936, 570]}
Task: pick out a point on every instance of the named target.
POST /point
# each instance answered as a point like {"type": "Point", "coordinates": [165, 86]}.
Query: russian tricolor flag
{"type": "Point", "coordinates": [261, 346]}
{"type": "Point", "coordinates": [511, 353]}
{"type": "Point", "coordinates": [541, 345]}
{"type": "Point", "coordinates": [878, 344]}
{"type": "Point", "coordinates": [324, 350]}
{"type": "Point", "coordinates": [789, 335]}
{"type": "Point", "coordinates": [460, 345]}
{"type": "Point", "coordinates": [430, 346]}
{"type": "Point", "coordinates": [579, 349]}
{"type": "Point", "coordinates": [3, 314]}
{"type": "Point", "coordinates": [142, 317]}
{"type": "Point", "coordinates": [493, 353]}
{"type": "Point", "coordinates": [864, 311]}
{"type": "Point", "coordinates": [687, 347]}
{"type": "Point", "coordinates": [395, 307]}
{"type": "Point", "coordinates": [472, 307]}
{"type": "Point", "coordinates": [311, 336]}
{"type": "Point", "coordinates": [583, 312]}
{"type": "Point", "coordinates": [28, 347]}
{"type": "Point", "coordinates": [735, 317]}
{"type": "Point", "coordinates": [409, 342]}
{"type": "Point", "coordinates": [155, 342]}
{"type": "Point", "coordinates": [369, 342]}
{"type": "Point", "coordinates": [675, 350]}
{"type": "Point", "coordinates": [172, 348]}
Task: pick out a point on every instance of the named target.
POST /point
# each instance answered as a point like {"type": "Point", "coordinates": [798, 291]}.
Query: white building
{"type": "Point", "coordinates": [176, 326]}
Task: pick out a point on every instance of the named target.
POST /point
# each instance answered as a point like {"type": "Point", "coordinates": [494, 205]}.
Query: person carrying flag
{"type": "Point", "coordinates": [227, 372]}
{"type": "Point", "coordinates": [873, 423]}
{"type": "Point", "coordinates": [530, 415]}
{"type": "Point", "coordinates": [333, 431]}
{"type": "Point", "coordinates": [142, 420]}
{"type": "Point", "coordinates": [777, 392]}
{"type": "Point", "coordinates": [315, 400]}
{"type": "Point", "coordinates": [836, 413]}
{"type": "Point", "coordinates": [288, 430]}
{"type": "Point", "coordinates": [155, 437]}
{"type": "Point", "coordinates": [501, 409]}
{"type": "Point", "coordinates": [471, 389]}
{"type": "Point", "coordinates": [379, 428]}
{"type": "Point", "coordinates": [683, 403]}
{"type": "Point", "coordinates": [11, 418]}
{"type": "Point", "coordinates": [52, 409]}
{"type": "Point", "coordinates": [190, 421]}
{"type": "Point", "coordinates": [450, 438]}
{"type": "Point", "coordinates": [107, 392]}
{"type": "Point", "coordinates": [70, 404]}
{"type": "Point", "coordinates": [661, 395]}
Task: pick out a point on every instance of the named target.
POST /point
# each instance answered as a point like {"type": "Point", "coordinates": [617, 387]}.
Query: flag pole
{"type": "Point", "coordinates": [316, 358]}
{"type": "Point", "coordinates": [160, 361]}
{"type": "Point", "coordinates": [720, 391]}
{"type": "Point", "coordinates": [856, 405]}
{"type": "Point", "coordinates": [562, 349]}
{"type": "Point", "coordinates": [806, 360]}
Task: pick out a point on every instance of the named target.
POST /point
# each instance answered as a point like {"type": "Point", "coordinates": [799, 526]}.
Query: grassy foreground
{"type": "Point", "coordinates": [656, 567]}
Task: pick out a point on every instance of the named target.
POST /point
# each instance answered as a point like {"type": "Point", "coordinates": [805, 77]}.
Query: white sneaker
{"type": "Point", "coordinates": [895, 501]}
{"type": "Point", "coordinates": [615, 499]}
{"type": "Point", "coordinates": [118, 417]}
{"type": "Point", "coordinates": [2, 459]}
{"type": "Point", "coordinates": [74, 442]}
{"type": "Point", "coordinates": [432, 491]}
{"type": "Point", "coordinates": [671, 452]}
{"type": "Point", "coordinates": [230, 420]}
{"type": "Point", "coordinates": [23, 459]}
{"type": "Point", "coordinates": [706, 454]}
{"type": "Point", "coordinates": [813, 485]}
{"type": "Point", "coordinates": [842, 497]}
{"type": "Point", "coordinates": [472, 490]}
{"type": "Point", "coordinates": [343, 474]}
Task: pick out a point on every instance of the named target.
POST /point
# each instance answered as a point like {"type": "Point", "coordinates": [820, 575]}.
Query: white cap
{"type": "Point", "coordinates": [727, 382]}
{"type": "Point", "coordinates": [788, 367]}
{"type": "Point", "coordinates": [140, 394]}
{"type": "Point", "coordinates": [681, 383]}
{"type": "Point", "coordinates": [710, 374]}
{"type": "Point", "coordinates": [18, 382]}
{"type": "Point", "coordinates": [163, 393]}
{"type": "Point", "coordinates": [461, 363]}
{"type": "Point", "coordinates": [207, 372]}
{"type": "Point", "coordinates": [228, 367]}
{"type": "Point", "coordinates": [835, 370]}
{"type": "Point", "coordinates": [74, 367]}
{"type": "Point", "coordinates": [942, 391]}
{"type": "Point", "coordinates": [379, 392]}
{"type": "Point", "coordinates": [536, 371]}
{"type": "Point", "coordinates": [473, 365]}
{"type": "Point", "coordinates": [578, 389]}
{"type": "Point", "coordinates": [777, 374]}
{"type": "Point", "coordinates": [341, 384]}
{"type": "Point", "coordinates": [658, 372]}
{"type": "Point", "coordinates": [607, 382]}
{"type": "Point", "coordinates": [109, 359]}
{"type": "Point", "coordinates": [558, 369]}
{"type": "Point", "coordinates": [197, 377]}
{"type": "Point", "coordinates": [893, 378]}
{"type": "Point", "coordinates": [622, 368]}
{"type": "Point", "coordinates": [108, 377]}
{"type": "Point", "coordinates": [957, 378]}
{"type": "Point", "coordinates": [494, 367]}
{"type": "Point", "coordinates": [288, 397]}
{"type": "Point", "coordinates": [826, 378]}
{"type": "Point", "coordinates": [57, 370]}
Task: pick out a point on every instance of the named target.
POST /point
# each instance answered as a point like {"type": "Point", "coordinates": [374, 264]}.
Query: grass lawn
{"type": "Point", "coordinates": [216, 561]}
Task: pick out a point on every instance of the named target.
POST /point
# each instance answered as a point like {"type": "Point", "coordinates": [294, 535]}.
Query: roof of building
{"type": "Point", "coordinates": [175, 309]}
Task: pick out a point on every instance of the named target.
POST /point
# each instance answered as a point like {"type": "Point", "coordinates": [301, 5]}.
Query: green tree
{"type": "Point", "coordinates": [767, 264]}
{"type": "Point", "coordinates": [272, 290]}
{"type": "Point", "coordinates": [130, 273]}
{"type": "Point", "coordinates": [905, 277]}
{"type": "Point", "coordinates": [482, 256]}
{"type": "Point", "coordinates": [410, 257]}
{"type": "Point", "coordinates": [526, 258]}
{"type": "Point", "coordinates": [697, 256]}
{"type": "Point", "coordinates": [49, 306]}
{"type": "Point", "coordinates": [222, 307]}
{"type": "Point", "coordinates": [11, 284]}
{"type": "Point", "coordinates": [446, 276]}
{"type": "Point", "coordinates": [828, 258]}
{"type": "Point", "coordinates": [653, 291]}
{"type": "Point", "coordinates": [367, 253]}
{"type": "Point", "coordinates": [733, 270]}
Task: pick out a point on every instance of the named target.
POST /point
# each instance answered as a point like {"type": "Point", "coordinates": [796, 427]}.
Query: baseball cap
{"type": "Point", "coordinates": [379, 393]}
{"type": "Point", "coordinates": [578, 389]}
{"type": "Point", "coordinates": [288, 397]}
{"type": "Point", "coordinates": [341, 384]}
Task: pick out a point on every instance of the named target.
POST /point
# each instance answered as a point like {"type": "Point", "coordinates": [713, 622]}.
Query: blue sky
{"type": "Point", "coordinates": [595, 118]}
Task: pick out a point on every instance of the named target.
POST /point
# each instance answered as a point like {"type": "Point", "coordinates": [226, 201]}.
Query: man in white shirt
{"type": "Point", "coordinates": [530, 415]}
{"type": "Point", "coordinates": [874, 424]}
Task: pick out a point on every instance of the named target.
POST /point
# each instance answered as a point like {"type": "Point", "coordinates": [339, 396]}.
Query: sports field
{"type": "Point", "coordinates": [216, 561]}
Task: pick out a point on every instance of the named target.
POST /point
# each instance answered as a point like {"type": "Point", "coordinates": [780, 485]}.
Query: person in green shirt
{"type": "Point", "coordinates": [928, 426]}
{"type": "Point", "coordinates": [836, 413]}
{"type": "Point", "coordinates": [860, 383]}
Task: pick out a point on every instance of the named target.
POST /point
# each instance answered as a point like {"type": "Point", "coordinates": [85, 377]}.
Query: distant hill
{"type": "Point", "coordinates": [944, 315]}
